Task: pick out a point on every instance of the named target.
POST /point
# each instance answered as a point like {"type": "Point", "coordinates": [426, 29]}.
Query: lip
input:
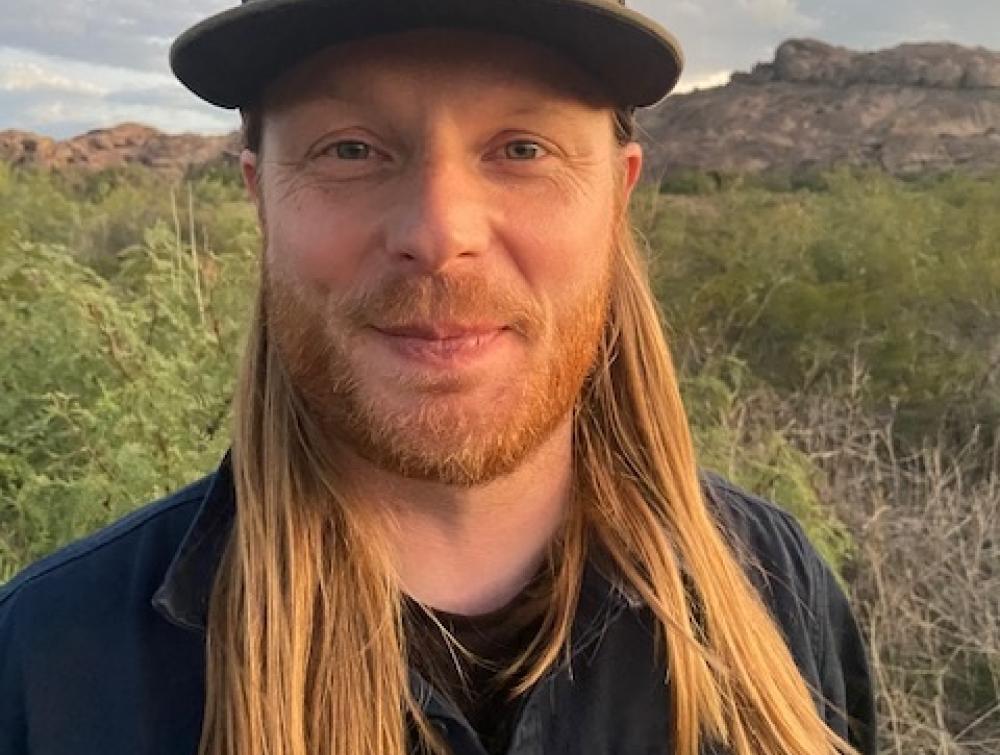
{"type": "Point", "coordinates": [444, 345]}
{"type": "Point", "coordinates": [442, 331]}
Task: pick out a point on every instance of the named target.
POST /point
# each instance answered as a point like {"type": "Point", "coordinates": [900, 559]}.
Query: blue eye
{"type": "Point", "coordinates": [524, 150]}
{"type": "Point", "coordinates": [350, 150]}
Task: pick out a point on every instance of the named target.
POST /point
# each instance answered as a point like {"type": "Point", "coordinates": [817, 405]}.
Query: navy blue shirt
{"type": "Point", "coordinates": [102, 644]}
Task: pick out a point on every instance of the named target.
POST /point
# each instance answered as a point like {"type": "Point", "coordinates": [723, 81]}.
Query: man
{"type": "Point", "coordinates": [461, 511]}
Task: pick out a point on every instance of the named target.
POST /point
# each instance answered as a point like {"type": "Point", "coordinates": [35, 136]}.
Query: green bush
{"type": "Point", "coordinates": [115, 387]}
{"type": "Point", "coordinates": [901, 279]}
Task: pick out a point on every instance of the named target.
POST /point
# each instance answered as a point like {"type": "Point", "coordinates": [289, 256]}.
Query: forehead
{"type": "Point", "coordinates": [442, 62]}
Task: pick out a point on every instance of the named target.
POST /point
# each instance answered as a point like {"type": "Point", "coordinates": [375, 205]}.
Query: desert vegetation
{"type": "Point", "coordinates": [838, 334]}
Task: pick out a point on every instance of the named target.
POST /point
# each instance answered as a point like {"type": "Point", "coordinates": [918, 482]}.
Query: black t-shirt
{"type": "Point", "coordinates": [494, 640]}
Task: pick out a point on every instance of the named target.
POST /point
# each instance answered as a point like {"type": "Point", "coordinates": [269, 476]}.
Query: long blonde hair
{"type": "Point", "coordinates": [305, 646]}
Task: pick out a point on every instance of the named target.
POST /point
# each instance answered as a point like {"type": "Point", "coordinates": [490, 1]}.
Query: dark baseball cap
{"type": "Point", "coordinates": [228, 58]}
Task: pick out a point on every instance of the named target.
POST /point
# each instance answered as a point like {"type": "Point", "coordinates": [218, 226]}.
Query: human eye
{"type": "Point", "coordinates": [524, 150]}
{"type": "Point", "coordinates": [349, 150]}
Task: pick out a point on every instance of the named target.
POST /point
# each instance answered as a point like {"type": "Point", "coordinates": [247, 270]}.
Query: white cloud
{"type": "Point", "coordinates": [683, 8]}
{"type": "Point", "coordinates": [31, 77]}
{"type": "Point", "coordinates": [703, 81]}
{"type": "Point", "coordinates": [782, 14]}
{"type": "Point", "coordinates": [128, 33]}
{"type": "Point", "coordinates": [109, 77]}
{"type": "Point", "coordinates": [50, 116]}
{"type": "Point", "coordinates": [935, 28]}
{"type": "Point", "coordinates": [60, 98]}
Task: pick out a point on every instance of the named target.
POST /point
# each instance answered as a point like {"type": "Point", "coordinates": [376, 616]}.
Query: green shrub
{"type": "Point", "coordinates": [114, 389]}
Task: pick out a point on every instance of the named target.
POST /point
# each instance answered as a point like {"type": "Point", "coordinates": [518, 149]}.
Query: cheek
{"type": "Point", "coordinates": [319, 244]}
{"type": "Point", "coordinates": [560, 248]}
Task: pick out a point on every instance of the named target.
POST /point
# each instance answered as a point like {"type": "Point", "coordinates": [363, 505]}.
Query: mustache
{"type": "Point", "coordinates": [404, 300]}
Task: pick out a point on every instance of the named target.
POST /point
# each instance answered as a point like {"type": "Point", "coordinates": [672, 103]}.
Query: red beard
{"type": "Point", "coordinates": [433, 434]}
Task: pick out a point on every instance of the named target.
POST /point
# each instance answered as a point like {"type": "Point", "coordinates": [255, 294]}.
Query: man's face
{"type": "Point", "coordinates": [439, 211]}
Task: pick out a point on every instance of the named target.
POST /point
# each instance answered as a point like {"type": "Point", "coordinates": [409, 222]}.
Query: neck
{"type": "Point", "coordinates": [471, 550]}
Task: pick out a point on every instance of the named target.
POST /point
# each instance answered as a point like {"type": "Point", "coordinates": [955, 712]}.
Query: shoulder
{"type": "Point", "coordinates": [792, 578]}
{"type": "Point", "coordinates": [764, 534]}
{"type": "Point", "coordinates": [134, 549]}
{"type": "Point", "coordinates": [74, 619]}
{"type": "Point", "coordinates": [807, 603]}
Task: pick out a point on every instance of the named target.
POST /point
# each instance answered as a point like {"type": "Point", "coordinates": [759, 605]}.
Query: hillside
{"type": "Point", "coordinates": [913, 109]}
{"type": "Point", "coordinates": [125, 144]}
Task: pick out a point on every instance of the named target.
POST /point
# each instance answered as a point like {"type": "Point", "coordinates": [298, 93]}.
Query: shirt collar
{"type": "Point", "coordinates": [183, 596]}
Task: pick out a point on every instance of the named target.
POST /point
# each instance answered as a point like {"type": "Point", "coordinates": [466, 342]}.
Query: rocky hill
{"type": "Point", "coordinates": [128, 143]}
{"type": "Point", "coordinates": [912, 109]}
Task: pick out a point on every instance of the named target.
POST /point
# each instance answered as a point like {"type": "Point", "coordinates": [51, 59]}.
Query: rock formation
{"type": "Point", "coordinates": [125, 144]}
{"type": "Point", "coordinates": [912, 109]}
{"type": "Point", "coordinates": [940, 66]}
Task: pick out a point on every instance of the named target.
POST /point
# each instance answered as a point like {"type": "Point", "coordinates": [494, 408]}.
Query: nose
{"type": "Point", "coordinates": [440, 217]}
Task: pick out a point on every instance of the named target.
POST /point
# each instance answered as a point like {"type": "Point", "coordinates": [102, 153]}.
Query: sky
{"type": "Point", "coordinates": [67, 66]}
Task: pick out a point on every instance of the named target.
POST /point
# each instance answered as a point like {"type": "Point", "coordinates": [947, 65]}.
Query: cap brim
{"type": "Point", "coordinates": [228, 58]}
